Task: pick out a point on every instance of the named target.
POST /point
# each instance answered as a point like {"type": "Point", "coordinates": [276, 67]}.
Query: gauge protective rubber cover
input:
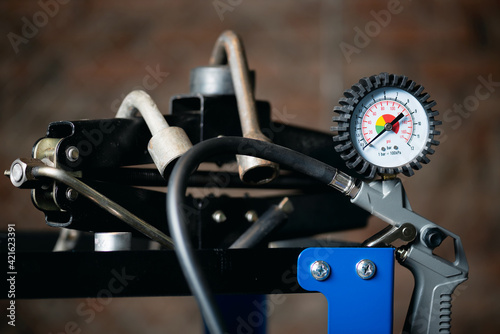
{"type": "Point", "coordinates": [354, 155]}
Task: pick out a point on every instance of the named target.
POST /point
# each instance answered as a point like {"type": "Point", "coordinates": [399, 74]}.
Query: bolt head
{"type": "Point", "coordinates": [72, 153]}
{"type": "Point", "coordinates": [366, 269]}
{"type": "Point", "coordinates": [71, 194]}
{"type": "Point", "coordinates": [219, 216]}
{"type": "Point", "coordinates": [320, 270]}
{"type": "Point", "coordinates": [251, 216]}
{"type": "Point", "coordinates": [433, 237]}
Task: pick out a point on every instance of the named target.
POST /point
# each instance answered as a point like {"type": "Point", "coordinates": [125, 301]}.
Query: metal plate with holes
{"type": "Point", "coordinates": [357, 283]}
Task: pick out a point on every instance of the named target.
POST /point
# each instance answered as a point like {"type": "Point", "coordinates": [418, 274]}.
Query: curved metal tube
{"type": "Point", "coordinates": [105, 203]}
{"type": "Point", "coordinates": [229, 50]}
{"type": "Point", "coordinates": [140, 101]}
{"type": "Point", "coordinates": [167, 142]}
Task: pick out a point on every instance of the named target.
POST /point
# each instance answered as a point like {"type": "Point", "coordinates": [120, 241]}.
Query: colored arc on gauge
{"type": "Point", "coordinates": [383, 120]}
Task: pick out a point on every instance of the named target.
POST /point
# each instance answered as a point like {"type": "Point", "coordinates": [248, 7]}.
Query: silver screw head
{"type": "Point", "coordinates": [219, 216]}
{"type": "Point", "coordinates": [366, 269]}
{"type": "Point", "coordinates": [72, 153]}
{"type": "Point", "coordinates": [320, 270]}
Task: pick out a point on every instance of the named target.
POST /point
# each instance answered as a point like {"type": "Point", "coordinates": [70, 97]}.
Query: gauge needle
{"type": "Point", "coordinates": [387, 127]}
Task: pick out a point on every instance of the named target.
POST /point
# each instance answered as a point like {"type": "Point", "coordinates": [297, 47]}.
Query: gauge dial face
{"type": "Point", "coordinates": [389, 127]}
{"type": "Point", "coordinates": [385, 125]}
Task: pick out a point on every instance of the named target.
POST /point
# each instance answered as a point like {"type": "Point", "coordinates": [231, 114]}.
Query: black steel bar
{"type": "Point", "coordinates": [151, 273]}
{"type": "Point", "coordinates": [151, 178]}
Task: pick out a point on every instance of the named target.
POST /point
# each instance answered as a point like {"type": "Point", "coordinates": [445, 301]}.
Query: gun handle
{"type": "Point", "coordinates": [430, 308]}
{"type": "Point", "coordinates": [435, 281]}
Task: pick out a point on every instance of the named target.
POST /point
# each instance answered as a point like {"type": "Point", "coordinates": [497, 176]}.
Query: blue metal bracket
{"type": "Point", "coordinates": [355, 305]}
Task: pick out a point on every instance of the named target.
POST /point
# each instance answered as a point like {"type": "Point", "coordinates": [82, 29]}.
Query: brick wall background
{"type": "Point", "coordinates": [82, 58]}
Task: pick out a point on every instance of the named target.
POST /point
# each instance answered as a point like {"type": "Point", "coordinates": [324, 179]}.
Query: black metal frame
{"type": "Point", "coordinates": [152, 273]}
{"type": "Point", "coordinates": [107, 145]}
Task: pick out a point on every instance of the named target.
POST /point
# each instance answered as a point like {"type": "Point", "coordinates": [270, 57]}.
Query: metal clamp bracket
{"type": "Point", "coordinates": [406, 232]}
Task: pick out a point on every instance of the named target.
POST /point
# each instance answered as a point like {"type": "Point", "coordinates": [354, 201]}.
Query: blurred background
{"type": "Point", "coordinates": [80, 58]}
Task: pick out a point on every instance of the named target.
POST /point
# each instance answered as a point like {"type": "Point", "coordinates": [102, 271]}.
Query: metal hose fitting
{"type": "Point", "coordinates": [167, 142]}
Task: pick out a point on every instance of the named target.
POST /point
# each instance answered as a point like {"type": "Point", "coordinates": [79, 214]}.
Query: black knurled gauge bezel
{"type": "Point", "coordinates": [347, 106]}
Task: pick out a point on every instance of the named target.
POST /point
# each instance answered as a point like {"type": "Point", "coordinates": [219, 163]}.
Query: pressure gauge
{"type": "Point", "coordinates": [385, 126]}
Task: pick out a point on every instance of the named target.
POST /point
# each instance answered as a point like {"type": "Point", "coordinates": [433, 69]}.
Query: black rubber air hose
{"type": "Point", "coordinates": [177, 186]}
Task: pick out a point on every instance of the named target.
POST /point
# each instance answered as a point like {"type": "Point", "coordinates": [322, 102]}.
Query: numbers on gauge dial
{"type": "Point", "coordinates": [390, 127]}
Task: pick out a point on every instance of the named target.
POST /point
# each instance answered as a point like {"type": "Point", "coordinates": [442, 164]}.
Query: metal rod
{"type": "Point", "coordinates": [270, 220]}
{"type": "Point", "coordinates": [67, 240]}
{"type": "Point", "coordinates": [105, 203]}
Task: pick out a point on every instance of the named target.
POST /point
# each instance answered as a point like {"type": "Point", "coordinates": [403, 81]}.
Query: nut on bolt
{"type": "Point", "coordinates": [20, 172]}
{"type": "Point", "coordinates": [320, 270]}
{"type": "Point", "coordinates": [16, 172]}
{"type": "Point", "coordinates": [402, 254]}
